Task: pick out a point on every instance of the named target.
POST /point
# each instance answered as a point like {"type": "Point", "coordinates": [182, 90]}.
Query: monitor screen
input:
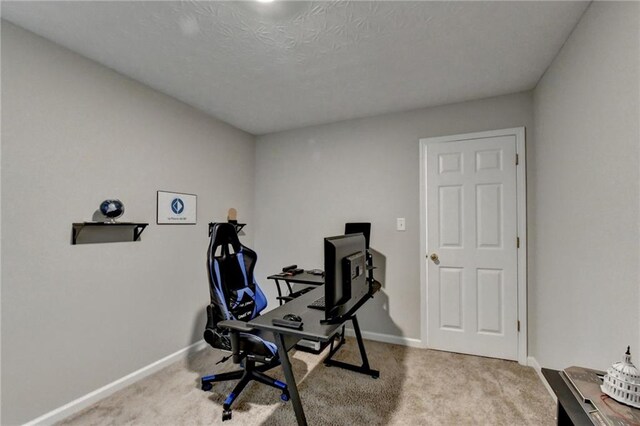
{"type": "Point", "coordinates": [345, 273]}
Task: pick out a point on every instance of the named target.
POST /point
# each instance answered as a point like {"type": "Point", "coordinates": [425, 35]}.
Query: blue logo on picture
{"type": "Point", "coordinates": [177, 206]}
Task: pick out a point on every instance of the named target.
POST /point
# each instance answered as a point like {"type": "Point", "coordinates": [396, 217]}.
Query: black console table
{"type": "Point", "coordinates": [570, 412]}
{"type": "Point", "coordinates": [582, 402]}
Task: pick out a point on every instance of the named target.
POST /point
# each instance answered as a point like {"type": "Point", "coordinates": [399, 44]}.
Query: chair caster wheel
{"type": "Point", "coordinates": [285, 396]}
{"type": "Point", "coordinates": [226, 415]}
{"type": "Point", "coordinates": [206, 387]}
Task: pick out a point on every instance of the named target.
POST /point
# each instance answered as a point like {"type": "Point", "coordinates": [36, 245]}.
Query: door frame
{"type": "Point", "coordinates": [521, 212]}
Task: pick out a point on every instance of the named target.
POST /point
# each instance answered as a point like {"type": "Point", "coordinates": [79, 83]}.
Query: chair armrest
{"type": "Point", "coordinates": [235, 325]}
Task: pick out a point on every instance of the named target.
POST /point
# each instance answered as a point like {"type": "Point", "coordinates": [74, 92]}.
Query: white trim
{"type": "Point", "coordinates": [98, 394]}
{"type": "Point", "coordinates": [532, 362]}
{"type": "Point", "coordinates": [521, 194]}
{"type": "Point", "coordinates": [423, 245]}
{"type": "Point", "coordinates": [387, 338]}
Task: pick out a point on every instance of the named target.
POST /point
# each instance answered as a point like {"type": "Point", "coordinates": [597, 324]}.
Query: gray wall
{"type": "Point", "coordinates": [75, 318]}
{"type": "Point", "coordinates": [309, 182]}
{"type": "Point", "coordinates": [584, 193]}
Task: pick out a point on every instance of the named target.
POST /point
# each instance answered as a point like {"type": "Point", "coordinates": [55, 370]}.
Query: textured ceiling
{"type": "Point", "coordinates": [270, 67]}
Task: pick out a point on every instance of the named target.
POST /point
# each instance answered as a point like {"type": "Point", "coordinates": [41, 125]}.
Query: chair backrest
{"type": "Point", "coordinates": [235, 295]}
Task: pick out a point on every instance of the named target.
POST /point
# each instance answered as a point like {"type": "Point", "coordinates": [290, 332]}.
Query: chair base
{"type": "Point", "coordinates": [250, 372]}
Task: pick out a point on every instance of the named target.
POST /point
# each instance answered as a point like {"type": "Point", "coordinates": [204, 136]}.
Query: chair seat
{"type": "Point", "coordinates": [258, 342]}
{"type": "Point", "coordinates": [266, 339]}
{"type": "Point", "coordinates": [261, 343]}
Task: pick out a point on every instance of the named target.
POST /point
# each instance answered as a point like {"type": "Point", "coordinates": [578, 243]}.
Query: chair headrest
{"type": "Point", "coordinates": [224, 234]}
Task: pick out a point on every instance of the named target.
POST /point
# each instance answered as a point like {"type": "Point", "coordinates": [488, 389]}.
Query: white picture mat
{"type": "Point", "coordinates": [176, 208]}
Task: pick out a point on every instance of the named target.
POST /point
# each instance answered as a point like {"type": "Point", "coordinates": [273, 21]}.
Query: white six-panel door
{"type": "Point", "coordinates": [472, 258]}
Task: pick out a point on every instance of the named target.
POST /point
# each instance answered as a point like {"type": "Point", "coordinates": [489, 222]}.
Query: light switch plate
{"type": "Point", "coordinates": [400, 224]}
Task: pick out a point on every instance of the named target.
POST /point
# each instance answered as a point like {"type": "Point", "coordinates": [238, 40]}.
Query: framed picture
{"type": "Point", "coordinates": [175, 208]}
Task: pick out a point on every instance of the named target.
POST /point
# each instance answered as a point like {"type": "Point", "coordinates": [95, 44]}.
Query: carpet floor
{"type": "Point", "coordinates": [416, 387]}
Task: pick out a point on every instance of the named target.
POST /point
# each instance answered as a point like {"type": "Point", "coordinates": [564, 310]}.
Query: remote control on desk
{"type": "Point", "coordinates": [286, 323]}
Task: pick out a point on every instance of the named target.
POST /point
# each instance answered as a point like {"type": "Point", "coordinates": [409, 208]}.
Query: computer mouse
{"type": "Point", "coordinates": [292, 317]}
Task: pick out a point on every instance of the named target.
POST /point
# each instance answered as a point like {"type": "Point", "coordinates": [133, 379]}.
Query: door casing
{"type": "Point", "coordinates": [521, 195]}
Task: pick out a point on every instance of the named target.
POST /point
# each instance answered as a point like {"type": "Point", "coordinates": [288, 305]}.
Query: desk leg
{"type": "Point", "coordinates": [290, 379]}
{"type": "Point", "coordinates": [279, 291]}
{"type": "Point", "coordinates": [365, 368]}
{"type": "Point", "coordinates": [289, 287]}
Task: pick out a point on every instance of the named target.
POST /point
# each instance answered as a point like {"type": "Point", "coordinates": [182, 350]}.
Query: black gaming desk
{"type": "Point", "coordinates": [312, 329]}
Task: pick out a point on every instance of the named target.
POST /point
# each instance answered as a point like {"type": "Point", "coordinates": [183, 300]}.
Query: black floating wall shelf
{"type": "Point", "coordinates": [236, 225]}
{"type": "Point", "coordinates": [136, 227]}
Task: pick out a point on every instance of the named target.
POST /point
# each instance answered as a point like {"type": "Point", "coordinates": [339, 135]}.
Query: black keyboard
{"type": "Point", "coordinates": [318, 304]}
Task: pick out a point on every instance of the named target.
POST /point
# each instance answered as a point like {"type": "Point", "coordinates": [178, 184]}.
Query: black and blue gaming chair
{"type": "Point", "coordinates": [236, 299]}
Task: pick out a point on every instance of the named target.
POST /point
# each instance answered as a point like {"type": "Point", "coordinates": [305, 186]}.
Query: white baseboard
{"type": "Point", "coordinates": [532, 362]}
{"type": "Point", "coordinates": [98, 394]}
{"type": "Point", "coordinates": [387, 338]}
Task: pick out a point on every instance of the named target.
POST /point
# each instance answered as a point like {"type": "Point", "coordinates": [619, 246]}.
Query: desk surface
{"type": "Point", "coordinates": [311, 328]}
{"type": "Point", "coordinates": [302, 278]}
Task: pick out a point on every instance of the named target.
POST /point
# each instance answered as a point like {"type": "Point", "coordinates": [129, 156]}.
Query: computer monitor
{"type": "Point", "coordinates": [345, 282]}
{"type": "Point", "coordinates": [359, 228]}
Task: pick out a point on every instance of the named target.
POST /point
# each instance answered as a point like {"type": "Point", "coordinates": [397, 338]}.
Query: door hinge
{"type": "Point", "coordinates": [517, 242]}
{"type": "Point", "coordinates": [517, 159]}
{"type": "Point", "coordinates": [518, 326]}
